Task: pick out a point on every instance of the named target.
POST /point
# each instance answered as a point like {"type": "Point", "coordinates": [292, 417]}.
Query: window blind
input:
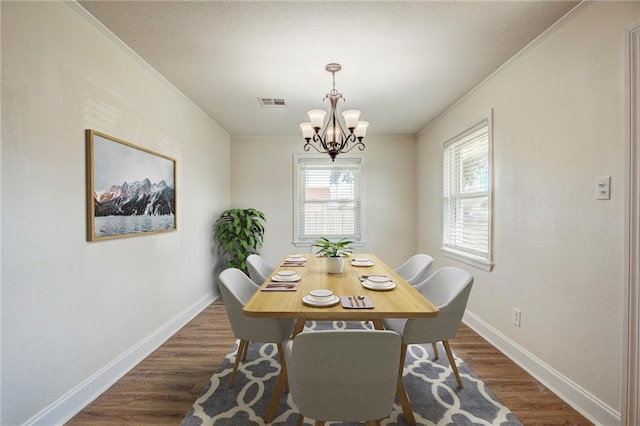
{"type": "Point", "coordinates": [328, 199]}
{"type": "Point", "coordinates": [466, 193]}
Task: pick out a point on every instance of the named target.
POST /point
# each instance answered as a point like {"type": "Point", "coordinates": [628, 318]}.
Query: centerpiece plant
{"type": "Point", "coordinates": [334, 251]}
{"type": "Point", "coordinates": [239, 233]}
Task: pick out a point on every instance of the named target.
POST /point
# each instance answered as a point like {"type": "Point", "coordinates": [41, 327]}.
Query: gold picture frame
{"type": "Point", "coordinates": [131, 190]}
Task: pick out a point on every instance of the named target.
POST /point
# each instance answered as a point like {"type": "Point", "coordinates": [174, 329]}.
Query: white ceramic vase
{"type": "Point", "coordinates": [335, 265]}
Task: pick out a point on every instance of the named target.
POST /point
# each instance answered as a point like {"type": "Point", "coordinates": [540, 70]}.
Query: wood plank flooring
{"type": "Point", "coordinates": [162, 388]}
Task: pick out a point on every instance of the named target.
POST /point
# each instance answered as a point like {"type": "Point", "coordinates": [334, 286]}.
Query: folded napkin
{"type": "Point", "coordinates": [293, 263]}
{"type": "Point", "coordinates": [351, 302]}
{"type": "Point", "coordinates": [279, 286]}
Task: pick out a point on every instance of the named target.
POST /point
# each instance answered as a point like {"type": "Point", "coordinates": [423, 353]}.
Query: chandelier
{"type": "Point", "coordinates": [333, 137]}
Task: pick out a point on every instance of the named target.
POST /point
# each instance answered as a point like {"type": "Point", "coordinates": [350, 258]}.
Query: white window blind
{"type": "Point", "coordinates": [467, 196]}
{"type": "Point", "coordinates": [328, 202]}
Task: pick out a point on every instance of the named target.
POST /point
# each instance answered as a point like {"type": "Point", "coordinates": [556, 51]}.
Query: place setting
{"type": "Point", "coordinates": [295, 260]}
{"type": "Point", "coordinates": [362, 262]}
{"type": "Point", "coordinates": [283, 281]}
{"type": "Point", "coordinates": [320, 298]}
{"type": "Point", "coordinates": [377, 282]}
{"type": "Point", "coordinates": [356, 302]}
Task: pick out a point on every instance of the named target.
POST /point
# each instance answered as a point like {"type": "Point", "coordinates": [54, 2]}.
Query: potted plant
{"type": "Point", "coordinates": [334, 251]}
{"type": "Point", "coordinates": [238, 233]}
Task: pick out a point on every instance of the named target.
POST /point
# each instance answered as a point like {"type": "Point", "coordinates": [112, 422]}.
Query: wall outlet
{"type": "Point", "coordinates": [516, 317]}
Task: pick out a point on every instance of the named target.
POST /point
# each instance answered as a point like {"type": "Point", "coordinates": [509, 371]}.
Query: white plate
{"type": "Point", "coordinates": [286, 273]}
{"type": "Point", "coordinates": [289, 278]}
{"type": "Point", "coordinates": [378, 278]}
{"type": "Point", "coordinates": [361, 259]}
{"type": "Point", "coordinates": [330, 302]}
{"type": "Point", "coordinates": [375, 286]}
{"type": "Point", "coordinates": [320, 296]}
{"type": "Point", "coordinates": [358, 263]}
{"type": "Point", "coordinates": [320, 292]}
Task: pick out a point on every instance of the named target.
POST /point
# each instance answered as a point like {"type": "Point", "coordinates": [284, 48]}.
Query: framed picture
{"type": "Point", "coordinates": [130, 190]}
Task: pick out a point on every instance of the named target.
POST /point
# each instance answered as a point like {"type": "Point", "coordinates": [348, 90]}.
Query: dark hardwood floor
{"type": "Point", "coordinates": [161, 389]}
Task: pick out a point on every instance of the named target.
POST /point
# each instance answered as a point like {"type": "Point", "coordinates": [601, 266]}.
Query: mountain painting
{"type": "Point", "coordinates": [131, 190]}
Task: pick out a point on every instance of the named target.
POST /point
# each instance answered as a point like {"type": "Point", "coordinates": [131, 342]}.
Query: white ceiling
{"type": "Point", "coordinates": [403, 63]}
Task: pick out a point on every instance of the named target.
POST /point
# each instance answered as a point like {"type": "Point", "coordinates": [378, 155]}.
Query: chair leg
{"type": "Point", "coordinates": [373, 423]}
{"type": "Point", "coordinates": [244, 352]}
{"type": "Point", "coordinates": [400, 391]}
{"type": "Point", "coordinates": [454, 367]}
{"type": "Point", "coordinates": [319, 423]}
{"type": "Point", "coordinates": [435, 350]}
{"type": "Point", "coordinates": [300, 420]}
{"type": "Point", "coordinates": [241, 346]}
{"type": "Point", "coordinates": [281, 356]}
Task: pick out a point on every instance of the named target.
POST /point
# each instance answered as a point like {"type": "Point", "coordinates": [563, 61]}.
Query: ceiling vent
{"type": "Point", "coordinates": [272, 102]}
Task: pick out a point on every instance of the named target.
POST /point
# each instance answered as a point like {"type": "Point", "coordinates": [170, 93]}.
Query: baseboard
{"type": "Point", "coordinates": [581, 400]}
{"type": "Point", "coordinates": [76, 399]}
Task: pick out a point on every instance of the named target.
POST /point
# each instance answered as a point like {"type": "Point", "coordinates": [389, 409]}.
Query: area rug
{"type": "Point", "coordinates": [430, 385]}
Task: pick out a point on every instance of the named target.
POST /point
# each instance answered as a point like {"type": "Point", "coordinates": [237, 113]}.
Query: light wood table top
{"type": "Point", "coordinates": [401, 302]}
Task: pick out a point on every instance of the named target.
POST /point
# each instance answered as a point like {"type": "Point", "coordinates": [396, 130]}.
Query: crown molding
{"type": "Point", "coordinates": [533, 44]}
{"type": "Point", "coordinates": [137, 58]}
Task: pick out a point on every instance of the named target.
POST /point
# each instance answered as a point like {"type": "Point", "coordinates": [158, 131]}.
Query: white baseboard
{"type": "Point", "coordinates": [582, 401]}
{"type": "Point", "coordinates": [76, 399]}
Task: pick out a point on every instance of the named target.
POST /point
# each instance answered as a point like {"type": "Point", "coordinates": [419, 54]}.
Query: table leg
{"type": "Point", "coordinates": [400, 391]}
{"type": "Point", "coordinates": [378, 324]}
{"type": "Point", "coordinates": [298, 327]}
{"type": "Point", "coordinates": [277, 394]}
{"type": "Point", "coordinates": [281, 383]}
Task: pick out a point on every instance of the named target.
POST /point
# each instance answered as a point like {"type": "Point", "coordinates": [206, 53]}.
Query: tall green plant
{"type": "Point", "coordinates": [239, 233]}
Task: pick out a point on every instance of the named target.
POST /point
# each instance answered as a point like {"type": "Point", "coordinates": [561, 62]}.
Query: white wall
{"type": "Point", "coordinates": [262, 177]}
{"type": "Point", "coordinates": [558, 124]}
{"type": "Point", "coordinates": [70, 307]}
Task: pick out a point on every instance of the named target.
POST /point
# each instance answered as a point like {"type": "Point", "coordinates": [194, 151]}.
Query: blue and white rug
{"type": "Point", "coordinates": [430, 385]}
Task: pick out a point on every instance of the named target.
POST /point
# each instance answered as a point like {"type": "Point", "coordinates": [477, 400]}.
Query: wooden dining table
{"type": "Point", "coordinates": [403, 301]}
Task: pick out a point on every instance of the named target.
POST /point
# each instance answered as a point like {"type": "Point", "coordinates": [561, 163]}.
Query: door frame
{"type": "Point", "coordinates": [631, 350]}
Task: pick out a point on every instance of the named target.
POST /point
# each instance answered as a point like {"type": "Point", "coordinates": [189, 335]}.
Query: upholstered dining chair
{"type": "Point", "coordinates": [416, 269]}
{"type": "Point", "coordinates": [343, 375]}
{"type": "Point", "coordinates": [259, 269]}
{"type": "Point", "coordinates": [448, 288]}
{"type": "Point", "coordinates": [236, 289]}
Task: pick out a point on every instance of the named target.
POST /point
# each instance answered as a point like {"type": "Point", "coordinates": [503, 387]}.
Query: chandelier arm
{"type": "Point", "coordinates": [359, 144]}
{"type": "Point", "coordinates": [322, 141]}
{"type": "Point", "coordinates": [345, 142]}
{"type": "Point", "coordinates": [310, 145]}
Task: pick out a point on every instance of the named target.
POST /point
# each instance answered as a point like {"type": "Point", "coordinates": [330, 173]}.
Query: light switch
{"type": "Point", "coordinates": [603, 185]}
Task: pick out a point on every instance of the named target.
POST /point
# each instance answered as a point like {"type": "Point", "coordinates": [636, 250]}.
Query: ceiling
{"type": "Point", "coordinates": [403, 63]}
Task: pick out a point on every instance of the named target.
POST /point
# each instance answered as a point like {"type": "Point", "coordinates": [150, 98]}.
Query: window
{"type": "Point", "coordinates": [466, 230]}
{"type": "Point", "coordinates": [327, 200]}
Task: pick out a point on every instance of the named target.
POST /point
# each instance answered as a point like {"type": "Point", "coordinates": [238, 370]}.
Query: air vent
{"type": "Point", "coordinates": [272, 102]}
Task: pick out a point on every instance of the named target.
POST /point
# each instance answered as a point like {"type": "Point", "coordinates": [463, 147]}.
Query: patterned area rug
{"type": "Point", "coordinates": [430, 385]}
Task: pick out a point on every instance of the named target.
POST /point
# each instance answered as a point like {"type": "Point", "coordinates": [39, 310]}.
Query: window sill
{"type": "Point", "coordinates": [467, 258]}
{"type": "Point", "coordinates": [310, 243]}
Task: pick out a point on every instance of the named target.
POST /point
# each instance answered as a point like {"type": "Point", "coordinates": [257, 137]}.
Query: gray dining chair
{"type": "Point", "coordinates": [448, 288]}
{"type": "Point", "coordinates": [416, 269]}
{"type": "Point", "coordinates": [258, 268]}
{"type": "Point", "coordinates": [343, 375]}
{"type": "Point", "coordinates": [236, 289]}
